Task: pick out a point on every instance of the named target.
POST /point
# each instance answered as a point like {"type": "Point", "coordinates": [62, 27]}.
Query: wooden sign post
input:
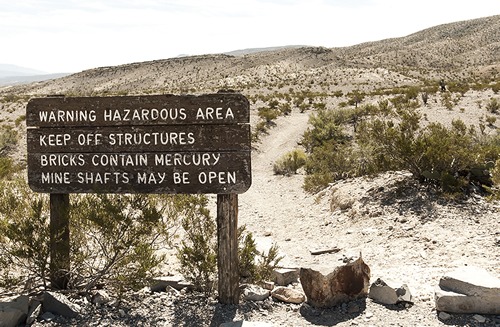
{"type": "Point", "coordinates": [142, 144]}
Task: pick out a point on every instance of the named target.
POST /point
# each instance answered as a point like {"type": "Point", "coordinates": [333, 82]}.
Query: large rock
{"type": "Point", "coordinates": [468, 290]}
{"type": "Point", "coordinates": [14, 311]}
{"type": "Point", "coordinates": [384, 293]}
{"type": "Point", "coordinates": [60, 305]}
{"type": "Point", "coordinates": [344, 284]}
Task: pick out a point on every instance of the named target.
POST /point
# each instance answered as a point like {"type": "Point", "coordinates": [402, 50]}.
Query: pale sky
{"type": "Point", "coordinates": [73, 35]}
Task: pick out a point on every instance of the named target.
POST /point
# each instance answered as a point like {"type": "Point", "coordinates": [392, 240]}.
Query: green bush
{"type": "Point", "coordinates": [255, 266]}
{"type": "Point", "coordinates": [493, 106]}
{"type": "Point", "coordinates": [7, 167]}
{"type": "Point", "coordinates": [290, 162]}
{"type": "Point", "coordinates": [198, 251]}
{"type": "Point", "coordinates": [449, 157]}
{"type": "Point", "coordinates": [24, 233]}
{"type": "Point", "coordinates": [268, 114]}
{"type": "Point", "coordinates": [8, 138]}
{"type": "Point", "coordinates": [115, 237]}
{"type": "Point", "coordinates": [326, 125]}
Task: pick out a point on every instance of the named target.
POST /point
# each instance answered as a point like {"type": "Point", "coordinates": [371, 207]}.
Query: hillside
{"type": "Point", "coordinates": [404, 230]}
{"type": "Point", "coordinates": [457, 50]}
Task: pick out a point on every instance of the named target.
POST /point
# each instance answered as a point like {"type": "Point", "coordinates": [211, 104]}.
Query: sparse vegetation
{"type": "Point", "coordinates": [433, 154]}
{"type": "Point", "coordinates": [290, 162]}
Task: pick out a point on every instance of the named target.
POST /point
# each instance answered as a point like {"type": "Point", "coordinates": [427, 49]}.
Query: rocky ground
{"type": "Point", "coordinates": [404, 231]}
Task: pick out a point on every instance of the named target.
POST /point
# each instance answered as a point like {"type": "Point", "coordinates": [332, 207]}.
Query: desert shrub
{"type": "Point", "coordinates": [495, 87]}
{"type": "Point", "coordinates": [247, 253]}
{"type": "Point", "coordinates": [24, 233]}
{"type": "Point", "coordinates": [8, 138]}
{"type": "Point", "coordinates": [435, 153]}
{"type": "Point", "coordinates": [255, 266]}
{"type": "Point", "coordinates": [198, 254]}
{"type": "Point", "coordinates": [458, 87]}
{"type": "Point", "coordinates": [290, 162]}
{"type": "Point", "coordinates": [115, 237]}
{"type": "Point", "coordinates": [493, 106]}
{"type": "Point", "coordinates": [446, 100]}
{"type": "Point", "coordinates": [449, 157]}
{"type": "Point", "coordinates": [20, 119]}
{"type": "Point", "coordinates": [8, 167]}
{"type": "Point", "coordinates": [425, 97]}
{"type": "Point", "coordinates": [491, 120]}
{"type": "Point", "coordinates": [268, 114]}
{"type": "Point", "coordinates": [326, 125]}
{"type": "Point", "coordinates": [198, 250]}
{"type": "Point", "coordinates": [285, 109]}
{"type": "Point", "coordinates": [355, 98]}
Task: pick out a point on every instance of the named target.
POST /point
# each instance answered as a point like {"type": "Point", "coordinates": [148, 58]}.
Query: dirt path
{"type": "Point", "coordinates": [276, 208]}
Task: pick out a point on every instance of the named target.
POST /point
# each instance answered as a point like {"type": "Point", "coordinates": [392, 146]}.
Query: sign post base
{"type": "Point", "coordinates": [227, 256]}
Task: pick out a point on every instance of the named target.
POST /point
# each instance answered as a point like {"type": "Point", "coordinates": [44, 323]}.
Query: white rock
{"type": "Point", "coordinates": [479, 319]}
{"type": "Point", "coordinates": [288, 295]}
{"type": "Point", "coordinates": [255, 293]}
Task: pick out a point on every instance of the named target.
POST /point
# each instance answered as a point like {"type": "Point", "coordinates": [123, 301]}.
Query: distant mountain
{"type": "Point", "coordinates": [7, 70]}
{"type": "Point", "coordinates": [257, 50]}
{"type": "Point", "coordinates": [15, 80]}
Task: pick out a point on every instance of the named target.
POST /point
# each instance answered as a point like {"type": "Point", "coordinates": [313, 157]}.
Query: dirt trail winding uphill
{"type": "Point", "coordinates": [277, 205]}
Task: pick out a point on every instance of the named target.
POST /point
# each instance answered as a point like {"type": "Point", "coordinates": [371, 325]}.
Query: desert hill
{"type": "Point", "coordinates": [457, 50]}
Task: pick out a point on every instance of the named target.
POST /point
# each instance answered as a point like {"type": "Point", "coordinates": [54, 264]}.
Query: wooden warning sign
{"type": "Point", "coordinates": [139, 144]}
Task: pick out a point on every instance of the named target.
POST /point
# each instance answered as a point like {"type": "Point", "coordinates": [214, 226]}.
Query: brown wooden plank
{"type": "Point", "coordinates": [214, 172]}
{"type": "Point", "coordinates": [59, 241]}
{"type": "Point", "coordinates": [139, 139]}
{"type": "Point", "coordinates": [227, 248]}
{"type": "Point", "coordinates": [219, 108]}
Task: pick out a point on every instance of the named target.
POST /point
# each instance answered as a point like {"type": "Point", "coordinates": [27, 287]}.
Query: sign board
{"type": "Point", "coordinates": [139, 144]}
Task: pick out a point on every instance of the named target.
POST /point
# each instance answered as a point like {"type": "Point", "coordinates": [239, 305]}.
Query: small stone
{"type": "Point", "coordinates": [368, 315]}
{"type": "Point", "coordinates": [267, 285]}
{"type": "Point", "coordinates": [47, 316]}
{"type": "Point", "coordinates": [160, 284]}
{"type": "Point", "coordinates": [255, 293]}
{"type": "Point", "coordinates": [14, 311]}
{"type": "Point", "coordinates": [121, 312]}
{"type": "Point", "coordinates": [284, 276]}
{"type": "Point", "coordinates": [479, 319]}
{"type": "Point", "coordinates": [100, 297]}
{"type": "Point", "coordinates": [288, 295]}
{"type": "Point", "coordinates": [246, 324]}
{"type": "Point", "coordinates": [444, 316]}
